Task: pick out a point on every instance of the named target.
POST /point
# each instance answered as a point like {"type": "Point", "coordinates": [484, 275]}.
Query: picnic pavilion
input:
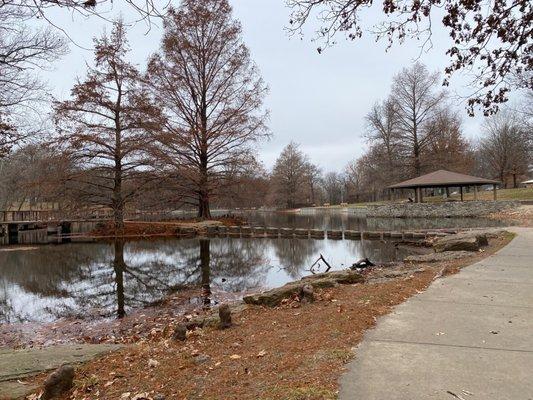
{"type": "Point", "coordinates": [444, 179]}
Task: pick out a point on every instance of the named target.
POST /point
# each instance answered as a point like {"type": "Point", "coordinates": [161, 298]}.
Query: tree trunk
{"type": "Point", "coordinates": [205, 259]}
{"type": "Point", "coordinates": [119, 266]}
{"type": "Point", "coordinates": [204, 211]}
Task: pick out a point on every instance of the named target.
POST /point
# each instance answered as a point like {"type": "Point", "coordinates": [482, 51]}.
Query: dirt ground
{"type": "Point", "coordinates": [291, 352]}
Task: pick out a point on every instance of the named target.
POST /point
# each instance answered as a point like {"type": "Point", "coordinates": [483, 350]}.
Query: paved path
{"type": "Point", "coordinates": [469, 336]}
{"type": "Point", "coordinates": [18, 364]}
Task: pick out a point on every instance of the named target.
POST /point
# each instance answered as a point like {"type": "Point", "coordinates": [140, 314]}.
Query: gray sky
{"type": "Point", "coordinates": [316, 100]}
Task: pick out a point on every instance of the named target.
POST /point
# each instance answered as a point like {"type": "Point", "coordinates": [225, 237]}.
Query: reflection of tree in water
{"type": "Point", "coordinates": [317, 219]}
{"type": "Point", "coordinates": [109, 279]}
{"type": "Point", "coordinates": [46, 273]}
{"type": "Point", "coordinates": [295, 254]}
{"type": "Point", "coordinates": [376, 250]}
{"type": "Point", "coordinates": [240, 262]}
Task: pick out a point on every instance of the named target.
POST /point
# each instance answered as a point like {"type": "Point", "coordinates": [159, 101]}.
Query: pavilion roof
{"type": "Point", "coordinates": [442, 178]}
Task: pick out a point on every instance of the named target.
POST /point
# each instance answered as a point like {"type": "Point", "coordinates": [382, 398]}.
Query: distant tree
{"type": "Point", "coordinates": [506, 147]}
{"type": "Point", "coordinates": [313, 174]}
{"type": "Point", "coordinates": [290, 176]}
{"type": "Point", "coordinates": [107, 127]}
{"type": "Point", "coordinates": [249, 187]}
{"type": "Point", "coordinates": [30, 177]}
{"type": "Point", "coordinates": [211, 94]}
{"type": "Point", "coordinates": [334, 186]}
{"type": "Point", "coordinates": [415, 102]}
{"type": "Point", "coordinates": [383, 129]}
{"type": "Point", "coordinates": [492, 38]}
{"type": "Point", "coordinates": [448, 149]}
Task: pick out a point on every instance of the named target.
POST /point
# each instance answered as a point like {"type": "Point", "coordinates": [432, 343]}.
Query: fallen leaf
{"type": "Point", "coordinates": [235, 356]}
{"type": "Point", "coordinates": [152, 363]}
{"type": "Point", "coordinates": [262, 353]}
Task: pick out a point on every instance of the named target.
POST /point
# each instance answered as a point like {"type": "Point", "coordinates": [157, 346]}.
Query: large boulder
{"type": "Point", "coordinates": [437, 257]}
{"type": "Point", "coordinates": [274, 297]}
{"type": "Point", "coordinates": [463, 241]}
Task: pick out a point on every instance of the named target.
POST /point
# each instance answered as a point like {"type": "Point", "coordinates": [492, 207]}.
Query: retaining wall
{"type": "Point", "coordinates": [440, 210]}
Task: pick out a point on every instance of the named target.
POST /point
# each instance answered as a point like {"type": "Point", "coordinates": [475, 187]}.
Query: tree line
{"type": "Point", "coordinates": [182, 131]}
{"type": "Point", "coordinates": [186, 123]}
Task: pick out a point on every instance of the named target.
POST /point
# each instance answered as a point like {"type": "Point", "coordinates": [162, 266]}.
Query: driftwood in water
{"type": "Point", "coordinates": [312, 269]}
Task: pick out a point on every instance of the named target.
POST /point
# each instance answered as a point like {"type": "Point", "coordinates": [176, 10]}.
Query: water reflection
{"type": "Point", "coordinates": [110, 279]}
{"type": "Point", "coordinates": [330, 219]}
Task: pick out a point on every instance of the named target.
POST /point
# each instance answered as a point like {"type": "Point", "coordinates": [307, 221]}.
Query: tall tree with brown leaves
{"type": "Point", "coordinates": [211, 94]}
{"type": "Point", "coordinates": [107, 127]}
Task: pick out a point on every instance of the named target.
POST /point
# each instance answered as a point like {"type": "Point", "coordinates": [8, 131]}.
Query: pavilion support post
{"type": "Point", "coordinates": [475, 192]}
{"type": "Point", "coordinates": [417, 195]}
{"type": "Point", "coordinates": [461, 190]}
{"type": "Point", "coordinates": [495, 192]}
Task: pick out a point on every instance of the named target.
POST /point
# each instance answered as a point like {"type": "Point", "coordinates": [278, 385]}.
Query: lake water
{"type": "Point", "coordinates": [49, 282]}
{"type": "Point", "coordinates": [104, 279]}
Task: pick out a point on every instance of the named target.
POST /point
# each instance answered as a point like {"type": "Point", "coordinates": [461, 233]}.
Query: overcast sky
{"type": "Point", "coordinates": [318, 101]}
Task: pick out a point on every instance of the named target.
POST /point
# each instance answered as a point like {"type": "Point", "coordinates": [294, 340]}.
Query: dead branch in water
{"type": "Point", "coordinates": [316, 262]}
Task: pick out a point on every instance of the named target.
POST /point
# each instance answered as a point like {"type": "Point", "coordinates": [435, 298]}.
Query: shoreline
{"type": "Point", "coordinates": [307, 344]}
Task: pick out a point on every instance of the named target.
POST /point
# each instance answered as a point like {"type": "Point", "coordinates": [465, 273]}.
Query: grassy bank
{"type": "Point", "coordinates": [503, 194]}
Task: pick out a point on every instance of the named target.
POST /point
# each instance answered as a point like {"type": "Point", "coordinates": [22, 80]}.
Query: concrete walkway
{"type": "Point", "coordinates": [469, 336]}
{"type": "Point", "coordinates": [19, 364]}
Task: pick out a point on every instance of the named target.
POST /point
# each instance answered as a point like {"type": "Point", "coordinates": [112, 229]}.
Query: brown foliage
{"type": "Point", "coordinates": [107, 128]}
{"type": "Point", "coordinates": [211, 95]}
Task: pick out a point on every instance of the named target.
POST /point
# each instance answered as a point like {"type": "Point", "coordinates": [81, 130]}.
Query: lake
{"type": "Point", "coordinates": [88, 280]}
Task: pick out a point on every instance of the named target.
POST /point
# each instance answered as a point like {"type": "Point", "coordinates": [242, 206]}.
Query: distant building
{"type": "Point", "coordinates": [528, 184]}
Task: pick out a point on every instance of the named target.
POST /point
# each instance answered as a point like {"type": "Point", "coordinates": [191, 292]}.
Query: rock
{"type": "Point", "coordinates": [362, 263]}
{"type": "Point", "coordinates": [306, 294]}
{"type": "Point", "coordinates": [467, 241]}
{"type": "Point", "coordinates": [58, 382]}
{"type": "Point", "coordinates": [201, 358]}
{"type": "Point", "coordinates": [224, 313]}
{"type": "Point", "coordinates": [437, 257]}
{"type": "Point", "coordinates": [328, 279]}
{"type": "Point", "coordinates": [159, 397]}
{"type": "Point", "coordinates": [180, 333]}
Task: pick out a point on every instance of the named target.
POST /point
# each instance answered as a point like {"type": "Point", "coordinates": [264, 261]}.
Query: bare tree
{"type": "Point", "coordinates": [107, 127]}
{"type": "Point", "coordinates": [334, 186]}
{"type": "Point", "coordinates": [23, 52]}
{"type": "Point", "coordinates": [145, 9]}
{"type": "Point", "coordinates": [314, 177]}
{"type": "Point", "coordinates": [506, 148]}
{"type": "Point", "coordinates": [448, 149]}
{"type": "Point", "coordinates": [383, 129]}
{"type": "Point", "coordinates": [492, 38]}
{"type": "Point", "coordinates": [212, 96]}
{"type": "Point", "coordinates": [289, 176]}
{"type": "Point", "coordinates": [415, 103]}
